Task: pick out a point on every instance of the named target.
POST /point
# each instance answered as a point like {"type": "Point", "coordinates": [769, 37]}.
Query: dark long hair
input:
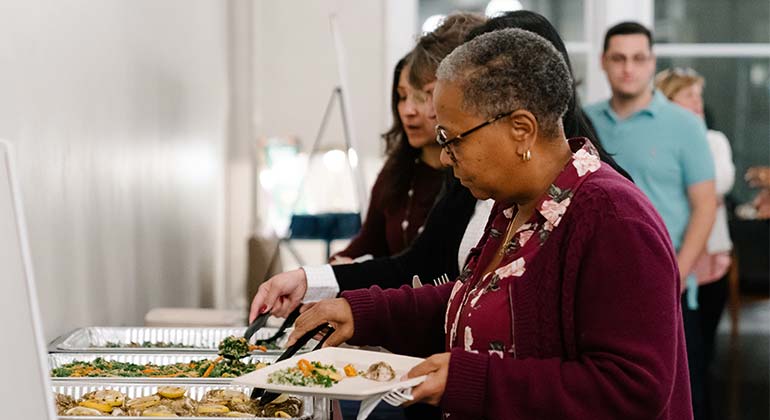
{"type": "Point", "coordinates": [575, 122]}
{"type": "Point", "coordinates": [423, 60]}
{"type": "Point", "coordinates": [399, 166]}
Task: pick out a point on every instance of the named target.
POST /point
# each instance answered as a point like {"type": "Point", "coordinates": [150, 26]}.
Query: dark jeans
{"type": "Point", "coordinates": [695, 361]}
{"type": "Point", "coordinates": [700, 327]}
{"type": "Point", "coordinates": [711, 304]}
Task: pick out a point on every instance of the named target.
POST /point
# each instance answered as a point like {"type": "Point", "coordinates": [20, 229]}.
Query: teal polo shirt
{"type": "Point", "coordinates": [664, 148]}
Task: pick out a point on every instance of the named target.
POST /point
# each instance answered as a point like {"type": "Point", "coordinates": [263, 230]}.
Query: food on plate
{"type": "Point", "coordinates": [381, 372]}
{"type": "Point", "coordinates": [306, 373]}
{"type": "Point", "coordinates": [101, 367]}
{"type": "Point", "coordinates": [350, 370]}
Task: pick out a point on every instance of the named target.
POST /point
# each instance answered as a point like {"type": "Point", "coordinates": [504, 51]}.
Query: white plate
{"type": "Point", "coordinates": [349, 388]}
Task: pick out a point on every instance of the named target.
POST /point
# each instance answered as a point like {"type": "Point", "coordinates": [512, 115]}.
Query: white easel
{"type": "Point", "coordinates": [331, 226]}
{"type": "Point", "coordinates": [25, 391]}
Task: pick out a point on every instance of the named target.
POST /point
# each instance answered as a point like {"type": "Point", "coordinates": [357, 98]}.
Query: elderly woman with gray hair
{"type": "Point", "coordinates": [568, 306]}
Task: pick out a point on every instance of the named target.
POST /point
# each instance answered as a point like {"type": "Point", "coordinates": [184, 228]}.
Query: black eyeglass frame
{"type": "Point", "coordinates": [441, 137]}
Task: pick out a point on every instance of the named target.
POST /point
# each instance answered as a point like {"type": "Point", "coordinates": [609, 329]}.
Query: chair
{"type": "Point", "coordinates": [749, 275]}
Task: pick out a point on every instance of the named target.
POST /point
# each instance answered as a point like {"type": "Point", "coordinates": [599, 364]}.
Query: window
{"type": "Point", "coordinates": [712, 21]}
{"type": "Point", "coordinates": [729, 44]}
{"type": "Point", "coordinates": [737, 102]}
{"type": "Point", "coordinates": [565, 15]}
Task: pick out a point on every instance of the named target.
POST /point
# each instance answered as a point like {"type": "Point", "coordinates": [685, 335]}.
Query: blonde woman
{"type": "Point", "coordinates": [684, 87]}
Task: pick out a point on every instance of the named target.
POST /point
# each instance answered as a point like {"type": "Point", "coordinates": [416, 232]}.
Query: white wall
{"type": "Point", "coordinates": [134, 121]}
{"type": "Point", "coordinates": [118, 110]}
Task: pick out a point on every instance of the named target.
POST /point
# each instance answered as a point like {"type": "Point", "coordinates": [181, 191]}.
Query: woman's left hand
{"type": "Point", "coordinates": [430, 391]}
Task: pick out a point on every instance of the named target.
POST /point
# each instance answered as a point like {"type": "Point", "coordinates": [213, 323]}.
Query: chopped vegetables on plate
{"type": "Point", "coordinates": [306, 373]}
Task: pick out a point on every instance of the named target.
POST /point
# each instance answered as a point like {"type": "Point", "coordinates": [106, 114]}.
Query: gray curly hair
{"type": "Point", "coordinates": [510, 69]}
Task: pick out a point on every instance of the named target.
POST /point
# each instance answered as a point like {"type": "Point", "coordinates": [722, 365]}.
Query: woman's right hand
{"type": "Point", "coordinates": [280, 294]}
{"type": "Point", "coordinates": [336, 312]}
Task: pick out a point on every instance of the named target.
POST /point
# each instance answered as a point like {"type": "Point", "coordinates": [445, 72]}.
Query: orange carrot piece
{"type": "Point", "coordinates": [211, 367]}
{"type": "Point", "coordinates": [350, 370]}
{"type": "Point", "coordinates": [305, 367]}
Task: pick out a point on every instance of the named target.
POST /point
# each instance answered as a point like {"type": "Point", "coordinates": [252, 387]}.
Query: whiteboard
{"type": "Point", "coordinates": [25, 389]}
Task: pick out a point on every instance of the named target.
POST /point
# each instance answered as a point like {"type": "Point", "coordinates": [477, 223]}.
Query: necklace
{"type": "Point", "coordinates": [408, 211]}
{"type": "Point", "coordinates": [508, 235]}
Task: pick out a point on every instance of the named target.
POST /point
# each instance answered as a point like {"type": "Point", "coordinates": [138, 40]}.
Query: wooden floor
{"type": "Point", "coordinates": [741, 370]}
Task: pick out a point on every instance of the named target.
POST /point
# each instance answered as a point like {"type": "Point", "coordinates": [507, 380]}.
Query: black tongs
{"type": "Point", "coordinates": [255, 326]}
{"type": "Point", "coordinates": [266, 397]}
{"type": "Point", "coordinates": [260, 322]}
{"type": "Point", "coordinates": [288, 322]}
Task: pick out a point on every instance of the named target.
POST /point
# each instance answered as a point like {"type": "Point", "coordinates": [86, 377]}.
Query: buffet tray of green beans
{"type": "Point", "coordinates": [164, 367]}
{"type": "Point", "coordinates": [155, 339]}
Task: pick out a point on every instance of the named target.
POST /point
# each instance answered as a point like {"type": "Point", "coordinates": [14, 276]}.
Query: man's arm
{"type": "Point", "coordinates": [703, 202]}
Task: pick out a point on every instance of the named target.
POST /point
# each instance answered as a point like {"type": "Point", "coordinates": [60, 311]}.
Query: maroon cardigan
{"type": "Point", "coordinates": [598, 326]}
{"type": "Point", "coordinates": [381, 235]}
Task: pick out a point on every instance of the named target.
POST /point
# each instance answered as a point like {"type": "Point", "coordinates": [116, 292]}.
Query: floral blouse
{"type": "Point", "coordinates": [476, 299]}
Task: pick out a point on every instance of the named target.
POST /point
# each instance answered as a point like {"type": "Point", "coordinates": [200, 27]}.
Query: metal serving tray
{"type": "Point", "coordinates": [56, 360]}
{"type": "Point", "coordinates": [95, 339]}
{"type": "Point", "coordinates": [312, 409]}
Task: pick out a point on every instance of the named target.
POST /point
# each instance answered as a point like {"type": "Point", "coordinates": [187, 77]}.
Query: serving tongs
{"type": "Point", "coordinates": [266, 397]}
{"type": "Point", "coordinates": [256, 325]}
{"type": "Point", "coordinates": [229, 357]}
{"type": "Point", "coordinates": [288, 322]}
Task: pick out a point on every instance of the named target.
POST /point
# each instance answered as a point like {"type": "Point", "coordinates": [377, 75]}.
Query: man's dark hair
{"type": "Point", "coordinates": [627, 28]}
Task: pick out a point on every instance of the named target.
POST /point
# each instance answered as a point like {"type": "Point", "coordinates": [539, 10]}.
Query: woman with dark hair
{"type": "Point", "coordinates": [410, 180]}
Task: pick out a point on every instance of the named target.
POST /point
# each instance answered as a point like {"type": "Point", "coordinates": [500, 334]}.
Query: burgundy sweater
{"type": "Point", "coordinates": [382, 235]}
{"type": "Point", "coordinates": [597, 327]}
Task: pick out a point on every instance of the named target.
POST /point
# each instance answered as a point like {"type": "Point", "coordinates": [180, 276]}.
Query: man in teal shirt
{"type": "Point", "coordinates": [665, 150]}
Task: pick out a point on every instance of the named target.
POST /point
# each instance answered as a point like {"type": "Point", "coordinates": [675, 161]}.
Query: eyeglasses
{"type": "Point", "coordinates": [442, 135]}
{"type": "Point", "coordinates": [620, 59]}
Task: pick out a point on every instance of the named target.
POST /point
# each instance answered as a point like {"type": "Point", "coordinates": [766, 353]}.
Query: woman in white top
{"type": "Point", "coordinates": [685, 88]}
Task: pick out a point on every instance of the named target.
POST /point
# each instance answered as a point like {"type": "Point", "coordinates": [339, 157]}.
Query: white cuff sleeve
{"type": "Point", "coordinates": [321, 283]}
